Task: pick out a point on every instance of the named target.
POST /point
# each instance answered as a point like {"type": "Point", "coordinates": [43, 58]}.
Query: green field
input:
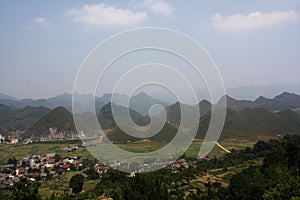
{"type": "Point", "coordinates": [20, 150]}
{"type": "Point", "coordinates": [192, 152]}
{"type": "Point", "coordinates": [60, 185]}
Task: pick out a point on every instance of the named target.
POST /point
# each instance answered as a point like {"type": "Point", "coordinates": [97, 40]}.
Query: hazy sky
{"type": "Point", "coordinates": [43, 43]}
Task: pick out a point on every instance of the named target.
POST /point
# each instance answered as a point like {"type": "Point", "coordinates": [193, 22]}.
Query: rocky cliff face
{"type": "Point", "coordinates": [54, 133]}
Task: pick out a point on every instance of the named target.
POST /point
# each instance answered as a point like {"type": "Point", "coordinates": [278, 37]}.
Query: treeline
{"type": "Point", "coordinates": [277, 178]}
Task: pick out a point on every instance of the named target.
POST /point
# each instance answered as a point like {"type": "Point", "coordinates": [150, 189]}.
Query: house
{"type": "Point", "coordinates": [32, 163]}
{"type": "Point", "coordinates": [43, 176]}
{"type": "Point", "coordinates": [50, 160]}
{"type": "Point", "coordinates": [14, 137]}
{"type": "Point", "coordinates": [65, 166]}
{"type": "Point", "coordinates": [20, 175]}
{"type": "Point", "coordinates": [24, 160]}
{"type": "Point", "coordinates": [117, 163]}
{"type": "Point", "coordinates": [14, 140]}
{"type": "Point", "coordinates": [50, 155]}
{"type": "Point", "coordinates": [177, 165]}
{"type": "Point", "coordinates": [52, 172]}
{"type": "Point", "coordinates": [101, 169]}
{"type": "Point", "coordinates": [2, 138]}
{"type": "Point", "coordinates": [32, 175]}
{"type": "Point", "coordinates": [36, 157]}
{"type": "Point", "coordinates": [22, 170]}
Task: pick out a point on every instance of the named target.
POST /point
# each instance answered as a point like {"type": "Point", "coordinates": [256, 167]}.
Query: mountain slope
{"type": "Point", "coordinates": [57, 124]}
{"type": "Point", "coordinates": [166, 134]}
{"type": "Point", "coordinates": [27, 116]}
{"type": "Point", "coordinates": [4, 96]}
{"type": "Point", "coordinates": [20, 119]}
{"type": "Point", "coordinates": [143, 102]}
{"type": "Point", "coordinates": [252, 123]}
{"type": "Point", "coordinates": [107, 121]}
{"type": "Point", "coordinates": [238, 105]}
{"type": "Point", "coordinates": [174, 110]}
{"type": "Point", "coordinates": [6, 116]}
{"type": "Point", "coordinates": [281, 102]}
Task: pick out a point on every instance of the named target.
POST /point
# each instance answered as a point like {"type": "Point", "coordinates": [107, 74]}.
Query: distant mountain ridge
{"type": "Point", "coordinates": [4, 96]}
{"type": "Point", "coordinates": [140, 102]}
{"type": "Point", "coordinates": [280, 102]}
{"type": "Point", "coordinates": [244, 118]}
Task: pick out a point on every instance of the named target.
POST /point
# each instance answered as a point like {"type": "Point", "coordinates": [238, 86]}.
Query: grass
{"type": "Point", "coordinates": [142, 147]}
{"type": "Point", "coordinates": [18, 150]}
{"type": "Point", "coordinates": [60, 185]}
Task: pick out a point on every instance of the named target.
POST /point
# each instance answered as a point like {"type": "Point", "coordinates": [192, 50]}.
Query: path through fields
{"type": "Point", "coordinates": [222, 147]}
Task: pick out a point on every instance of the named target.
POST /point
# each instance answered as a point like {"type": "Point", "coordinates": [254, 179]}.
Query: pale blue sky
{"type": "Point", "coordinates": [254, 42]}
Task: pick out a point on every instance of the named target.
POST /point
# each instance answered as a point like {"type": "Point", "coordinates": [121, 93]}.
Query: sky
{"type": "Point", "coordinates": [254, 43]}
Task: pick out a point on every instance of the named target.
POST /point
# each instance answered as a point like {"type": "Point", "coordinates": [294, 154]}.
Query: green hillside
{"type": "Point", "coordinates": [252, 123]}
{"type": "Point", "coordinates": [166, 134]}
{"type": "Point", "coordinates": [174, 110]}
{"type": "Point", "coordinates": [59, 118]}
{"type": "Point", "coordinates": [107, 121]}
{"type": "Point", "coordinates": [20, 119]}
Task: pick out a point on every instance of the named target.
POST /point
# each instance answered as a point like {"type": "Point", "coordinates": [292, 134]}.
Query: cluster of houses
{"type": "Point", "coordinates": [69, 148]}
{"type": "Point", "coordinates": [34, 168]}
{"type": "Point", "coordinates": [38, 168]}
{"type": "Point", "coordinates": [41, 168]}
{"type": "Point", "coordinates": [12, 138]}
{"type": "Point", "coordinates": [174, 166]}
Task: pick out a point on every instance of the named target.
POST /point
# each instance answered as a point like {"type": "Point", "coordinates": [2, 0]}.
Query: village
{"type": "Point", "coordinates": [40, 168]}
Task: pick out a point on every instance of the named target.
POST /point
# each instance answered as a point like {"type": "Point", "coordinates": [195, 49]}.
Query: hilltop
{"type": "Point", "coordinates": [283, 101]}
{"type": "Point", "coordinates": [58, 123]}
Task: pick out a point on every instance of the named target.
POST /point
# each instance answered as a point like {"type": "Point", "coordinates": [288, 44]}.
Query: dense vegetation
{"type": "Point", "coordinates": [277, 178]}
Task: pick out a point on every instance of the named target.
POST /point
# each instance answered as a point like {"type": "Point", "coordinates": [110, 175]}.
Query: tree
{"type": "Point", "coordinates": [92, 173]}
{"type": "Point", "coordinates": [88, 163]}
{"type": "Point", "coordinates": [57, 157]}
{"type": "Point", "coordinates": [24, 190]}
{"type": "Point", "coordinates": [146, 186]}
{"type": "Point", "coordinates": [73, 167]}
{"type": "Point", "coordinates": [76, 183]}
{"type": "Point", "coordinates": [12, 161]}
